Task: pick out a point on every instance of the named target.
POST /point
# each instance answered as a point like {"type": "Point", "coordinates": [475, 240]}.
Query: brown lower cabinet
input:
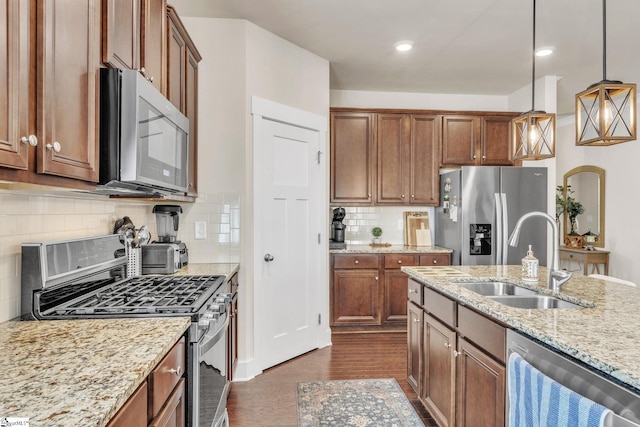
{"type": "Point", "coordinates": [461, 374]}
{"type": "Point", "coordinates": [160, 400]}
{"type": "Point", "coordinates": [370, 290]}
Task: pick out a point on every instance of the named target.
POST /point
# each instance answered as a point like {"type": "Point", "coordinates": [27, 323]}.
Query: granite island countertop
{"type": "Point", "coordinates": [365, 248]}
{"type": "Point", "coordinates": [208, 269]}
{"type": "Point", "coordinates": [604, 335]}
{"type": "Point", "coordinates": [79, 372]}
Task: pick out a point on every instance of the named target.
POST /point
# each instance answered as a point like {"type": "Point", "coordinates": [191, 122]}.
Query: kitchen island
{"type": "Point", "coordinates": [603, 335]}
{"type": "Point", "coordinates": [79, 372]}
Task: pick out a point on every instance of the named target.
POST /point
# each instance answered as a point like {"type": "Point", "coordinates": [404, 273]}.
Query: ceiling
{"type": "Point", "coordinates": [460, 46]}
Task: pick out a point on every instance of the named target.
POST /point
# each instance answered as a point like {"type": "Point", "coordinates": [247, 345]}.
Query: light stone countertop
{"type": "Point", "coordinates": [605, 336]}
{"type": "Point", "coordinates": [364, 248]}
{"type": "Point", "coordinates": [79, 372]}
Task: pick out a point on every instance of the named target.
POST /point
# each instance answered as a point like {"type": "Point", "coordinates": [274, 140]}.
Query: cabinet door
{"type": "Point", "coordinates": [191, 111]}
{"type": "Point", "coordinates": [352, 154]}
{"type": "Point", "coordinates": [356, 297]}
{"type": "Point", "coordinates": [67, 87]}
{"type": "Point", "coordinates": [438, 373]}
{"type": "Point", "coordinates": [173, 412]}
{"type": "Point", "coordinates": [392, 158]}
{"type": "Point", "coordinates": [414, 345]}
{"type": "Point", "coordinates": [153, 44]}
{"type": "Point", "coordinates": [134, 412]}
{"type": "Point", "coordinates": [121, 33]}
{"type": "Point", "coordinates": [481, 388]}
{"type": "Point", "coordinates": [395, 296]}
{"type": "Point", "coordinates": [496, 142]}
{"type": "Point", "coordinates": [14, 80]}
{"type": "Point", "coordinates": [424, 170]}
{"type": "Point", "coordinates": [176, 54]}
{"type": "Point", "coordinates": [460, 136]}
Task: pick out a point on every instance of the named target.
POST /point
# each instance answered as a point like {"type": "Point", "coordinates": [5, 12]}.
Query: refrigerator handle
{"type": "Point", "coordinates": [505, 229]}
{"type": "Point", "coordinates": [498, 226]}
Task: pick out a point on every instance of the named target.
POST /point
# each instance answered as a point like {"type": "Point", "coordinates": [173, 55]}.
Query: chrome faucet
{"type": "Point", "coordinates": [557, 277]}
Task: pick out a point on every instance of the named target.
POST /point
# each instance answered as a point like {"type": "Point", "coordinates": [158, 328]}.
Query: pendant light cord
{"type": "Point", "coordinates": [604, 40]}
{"type": "Point", "coordinates": [533, 61]}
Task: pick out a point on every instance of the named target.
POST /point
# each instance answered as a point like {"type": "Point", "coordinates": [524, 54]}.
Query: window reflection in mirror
{"type": "Point", "coordinates": [587, 183]}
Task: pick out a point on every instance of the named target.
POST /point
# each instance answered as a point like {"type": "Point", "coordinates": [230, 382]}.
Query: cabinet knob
{"type": "Point", "coordinates": [369, 195]}
{"type": "Point", "coordinates": [376, 277]}
{"type": "Point", "coordinates": [456, 353]}
{"type": "Point", "coordinates": [474, 157]}
{"type": "Point", "coordinates": [484, 157]}
{"type": "Point", "coordinates": [447, 345]}
{"type": "Point", "coordinates": [399, 261]}
{"type": "Point", "coordinates": [32, 140]}
{"type": "Point", "coordinates": [416, 320]}
{"type": "Point", "coordinates": [402, 196]}
{"type": "Point", "coordinates": [55, 147]}
{"type": "Point", "coordinates": [356, 262]}
{"type": "Point", "coordinates": [435, 261]}
{"type": "Point", "coordinates": [142, 71]}
{"type": "Point", "coordinates": [150, 79]}
{"type": "Point", "coordinates": [177, 371]}
{"type": "Point", "coordinates": [413, 197]}
{"type": "Point", "coordinates": [413, 291]}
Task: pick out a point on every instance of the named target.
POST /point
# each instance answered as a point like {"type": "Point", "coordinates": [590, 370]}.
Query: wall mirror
{"type": "Point", "coordinates": [587, 184]}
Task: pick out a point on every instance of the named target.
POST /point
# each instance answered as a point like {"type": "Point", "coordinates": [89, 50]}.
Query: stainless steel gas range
{"type": "Point", "coordinates": [85, 278]}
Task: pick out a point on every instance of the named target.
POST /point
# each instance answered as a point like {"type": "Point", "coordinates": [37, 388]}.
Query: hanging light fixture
{"type": "Point", "coordinates": [533, 132]}
{"type": "Point", "coordinates": [606, 111]}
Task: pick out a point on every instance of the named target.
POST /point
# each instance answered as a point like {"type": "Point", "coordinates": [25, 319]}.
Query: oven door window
{"type": "Point", "coordinates": [213, 376]}
{"type": "Point", "coordinates": [163, 148]}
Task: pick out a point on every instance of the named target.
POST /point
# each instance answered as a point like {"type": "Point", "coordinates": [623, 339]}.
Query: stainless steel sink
{"type": "Point", "coordinates": [496, 288]}
{"type": "Point", "coordinates": [534, 302]}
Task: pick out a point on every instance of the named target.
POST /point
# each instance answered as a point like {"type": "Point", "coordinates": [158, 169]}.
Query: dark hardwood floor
{"type": "Point", "coordinates": [269, 400]}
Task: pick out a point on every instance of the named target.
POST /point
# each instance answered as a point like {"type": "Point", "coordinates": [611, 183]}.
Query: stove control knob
{"type": "Point", "coordinates": [203, 322]}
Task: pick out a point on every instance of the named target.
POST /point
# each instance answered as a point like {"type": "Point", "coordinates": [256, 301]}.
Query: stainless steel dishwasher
{"type": "Point", "coordinates": [624, 403]}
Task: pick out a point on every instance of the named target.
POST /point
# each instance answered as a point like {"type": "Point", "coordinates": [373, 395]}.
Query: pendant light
{"type": "Point", "coordinates": [533, 132]}
{"type": "Point", "coordinates": [606, 111]}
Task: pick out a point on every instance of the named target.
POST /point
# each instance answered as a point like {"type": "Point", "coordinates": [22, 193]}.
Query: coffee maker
{"type": "Point", "coordinates": [167, 254]}
{"type": "Point", "coordinates": [337, 230]}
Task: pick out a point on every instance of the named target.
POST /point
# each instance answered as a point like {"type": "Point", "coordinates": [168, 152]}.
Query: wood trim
{"type": "Point", "coordinates": [428, 112]}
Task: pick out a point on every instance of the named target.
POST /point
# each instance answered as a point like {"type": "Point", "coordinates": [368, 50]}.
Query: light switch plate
{"type": "Point", "coordinates": [200, 230]}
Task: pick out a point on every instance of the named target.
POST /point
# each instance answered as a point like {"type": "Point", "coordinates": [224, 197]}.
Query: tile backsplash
{"type": "Point", "coordinates": [360, 220]}
{"type": "Point", "coordinates": [34, 217]}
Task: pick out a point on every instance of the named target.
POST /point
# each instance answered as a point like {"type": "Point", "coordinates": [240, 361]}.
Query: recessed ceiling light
{"type": "Point", "coordinates": [544, 51]}
{"type": "Point", "coordinates": [404, 46]}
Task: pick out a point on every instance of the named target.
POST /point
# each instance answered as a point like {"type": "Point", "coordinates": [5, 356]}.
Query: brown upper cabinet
{"type": "Point", "coordinates": [407, 159]}
{"type": "Point", "coordinates": [352, 153]}
{"type": "Point", "coordinates": [133, 37]}
{"type": "Point", "coordinates": [182, 84]}
{"type": "Point", "coordinates": [397, 152]}
{"type": "Point", "coordinates": [476, 140]}
{"type": "Point", "coordinates": [51, 132]}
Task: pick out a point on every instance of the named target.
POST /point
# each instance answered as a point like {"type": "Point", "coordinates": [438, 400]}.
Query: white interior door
{"type": "Point", "coordinates": [289, 285]}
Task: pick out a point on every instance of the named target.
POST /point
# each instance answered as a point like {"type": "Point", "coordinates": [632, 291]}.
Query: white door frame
{"type": "Point", "coordinates": [265, 109]}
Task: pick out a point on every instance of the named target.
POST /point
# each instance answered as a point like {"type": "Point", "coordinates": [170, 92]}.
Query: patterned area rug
{"type": "Point", "coordinates": [358, 403]}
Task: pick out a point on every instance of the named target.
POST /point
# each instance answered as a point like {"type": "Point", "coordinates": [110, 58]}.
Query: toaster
{"type": "Point", "coordinates": [161, 258]}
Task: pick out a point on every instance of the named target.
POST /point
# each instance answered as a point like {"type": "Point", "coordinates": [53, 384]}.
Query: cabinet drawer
{"type": "Point", "coordinates": [415, 292]}
{"type": "Point", "coordinates": [484, 332]}
{"type": "Point", "coordinates": [398, 260]}
{"type": "Point", "coordinates": [440, 306]}
{"type": "Point", "coordinates": [165, 376]}
{"type": "Point", "coordinates": [355, 261]}
{"type": "Point", "coordinates": [435, 259]}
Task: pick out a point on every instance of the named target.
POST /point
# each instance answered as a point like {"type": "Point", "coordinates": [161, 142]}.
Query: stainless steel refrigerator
{"type": "Point", "coordinates": [479, 207]}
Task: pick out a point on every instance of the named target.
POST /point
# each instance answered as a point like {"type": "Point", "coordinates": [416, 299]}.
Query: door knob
{"type": "Point", "coordinates": [268, 257]}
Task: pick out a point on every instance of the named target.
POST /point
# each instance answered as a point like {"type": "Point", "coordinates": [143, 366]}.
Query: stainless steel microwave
{"type": "Point", "coordinates": [144, 138]}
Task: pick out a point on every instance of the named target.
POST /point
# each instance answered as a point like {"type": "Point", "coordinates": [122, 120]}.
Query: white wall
{"type": "Point", "coordinates": [242, 60]}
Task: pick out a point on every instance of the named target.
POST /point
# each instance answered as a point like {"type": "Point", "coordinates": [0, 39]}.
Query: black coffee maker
{"type": "Point", "coordinates": [337, 228]}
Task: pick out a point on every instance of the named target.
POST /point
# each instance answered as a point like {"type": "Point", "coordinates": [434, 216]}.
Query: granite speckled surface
{"type": "Point", "coordinates": [604, 335]}
{"type": "Point", "coordinates": [210, 269]}
{"type": "Point", "coordinates": [79, 372]}
{"type": "Point", "coordinates": [363, 249]}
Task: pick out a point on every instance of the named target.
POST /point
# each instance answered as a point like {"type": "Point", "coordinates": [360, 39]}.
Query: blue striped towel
{"type": "Point", "coordinates": [536, 400]}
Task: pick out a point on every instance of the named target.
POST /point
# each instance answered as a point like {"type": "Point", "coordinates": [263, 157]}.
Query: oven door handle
{"type": "Point", "coordinates": [208, 343]}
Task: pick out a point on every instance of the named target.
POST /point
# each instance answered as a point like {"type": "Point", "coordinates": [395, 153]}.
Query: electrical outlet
{"type": "Point", "coordinates": [200, 230]}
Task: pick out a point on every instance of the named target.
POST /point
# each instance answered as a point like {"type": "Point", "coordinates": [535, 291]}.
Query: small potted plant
{"type": "Point", "coordinates": [377, 232]}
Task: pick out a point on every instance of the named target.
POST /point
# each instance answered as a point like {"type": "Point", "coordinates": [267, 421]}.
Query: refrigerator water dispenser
{"type": "Point", "coordinates": [480, 239]}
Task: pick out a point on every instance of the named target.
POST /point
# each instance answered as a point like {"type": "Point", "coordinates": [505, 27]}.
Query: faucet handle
{"type": "Point", "coordinates": [558, 278]}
